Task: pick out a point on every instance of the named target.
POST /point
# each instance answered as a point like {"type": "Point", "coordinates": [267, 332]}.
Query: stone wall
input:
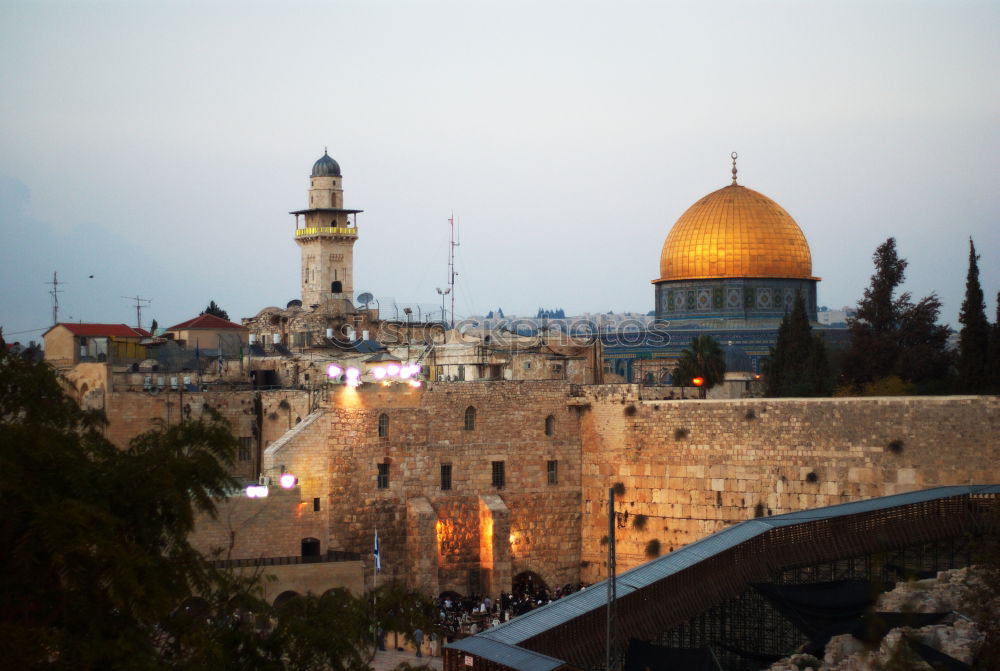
{"type": "Point", "coordinates": [273, 526]}
{"type": "Point", "coordinates": [426, 428]}
{"type": "Point", "coordinates": [694, 467]}
{"type": "Point", "coordinates": [132, 413]}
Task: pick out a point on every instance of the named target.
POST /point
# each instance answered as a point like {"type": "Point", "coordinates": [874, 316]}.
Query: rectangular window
{"type": "Point", "coordinates": [553, 469]}
{"type": "Point", "coordinates": [498, 474]}
{"type": "Point", "coordinates": [383, 476]}
{"type": "Point", "coordinates": [244, 448]}
{"type": "Point", "coordinates": [445, 476]}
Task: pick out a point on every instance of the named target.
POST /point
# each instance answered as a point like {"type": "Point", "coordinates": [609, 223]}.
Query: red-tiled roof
{"type": "Point", "coordinates": [119, 330]}
{"type": "Point", "coordinates": [206, 322]}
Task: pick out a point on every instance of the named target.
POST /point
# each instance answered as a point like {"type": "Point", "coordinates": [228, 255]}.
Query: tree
{"type": "Point", "coordinates": [993, 368]}
{"type": "Point", "coordinates": [974, 338]}
{"type": "Point", "coordinates": [214, 309]}
{"type": "Point", "coordinates": [94, 557]}
{"type": "Point", "coordinates": [704, 359]}
{"type": "Point", "coordinates": [798, 364]}
{"type": "Point", "coordinates": [400, 610]}
{"type": "Point", "coordinates": [891, 335]}
{"type": "Point", "coordinates": [325, 633]}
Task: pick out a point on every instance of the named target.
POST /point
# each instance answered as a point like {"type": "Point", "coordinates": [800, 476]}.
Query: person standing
{"type": "Point", "coordinates": [418, 638]}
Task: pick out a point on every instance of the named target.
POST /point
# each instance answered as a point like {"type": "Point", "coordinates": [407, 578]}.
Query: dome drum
{"type": "Point", "coordinates": [732, 298]}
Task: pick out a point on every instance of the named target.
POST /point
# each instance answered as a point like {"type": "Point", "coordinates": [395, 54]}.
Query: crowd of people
{"type": "Point", "coordinates": [459, 617]}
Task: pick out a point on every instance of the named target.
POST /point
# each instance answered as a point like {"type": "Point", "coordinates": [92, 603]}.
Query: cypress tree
{"type": "Point", "coordinates": [974, 338]}
{"type": "Point", "coordinates": [798, 363]}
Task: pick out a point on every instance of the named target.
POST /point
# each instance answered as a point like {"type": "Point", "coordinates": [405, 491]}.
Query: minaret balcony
{"type": "Point", "coordinates": [326, 230]}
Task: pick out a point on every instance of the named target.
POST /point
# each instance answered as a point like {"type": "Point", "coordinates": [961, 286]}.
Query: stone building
{"type": "Point", "coordinates": [68, 343]}
{"type": "Point", "coordinates": [325, 233]}
{"type": "Point", "coordinates": [210, 333]}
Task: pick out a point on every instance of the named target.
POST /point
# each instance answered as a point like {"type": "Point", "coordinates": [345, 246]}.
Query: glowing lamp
{"type": "Point", "coordinates": [415, 383]}
{"type": "Point", "coordinates": [406, 372]}
{"type": "Point", "coordinates": [287, 480]}
{"type": "Point", "coordinates": [333, 371]}
{"type": "Point", "coordinates": [378, 373]}
{"type": "Point", "coordinates": [392, 369]}
{"type": "Point", "coordinates": [256, 491]}
{"type": "Point", "coordinates": [353, 373]}
{"type": "Point", "coordinates": [698, 381]}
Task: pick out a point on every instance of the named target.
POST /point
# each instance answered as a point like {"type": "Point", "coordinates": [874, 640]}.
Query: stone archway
{"type": "Point", "coordinates": [285, 597]}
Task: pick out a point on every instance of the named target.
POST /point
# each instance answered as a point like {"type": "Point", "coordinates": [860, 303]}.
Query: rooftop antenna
{"type": "Point", "coordinates": [54, 292]}
{"type": "Point", "coordinates": [734, 156]}
{"type": "Point", "coordinates": [453, 243]}
{"type": "Point", "coordinates": [140, 303]}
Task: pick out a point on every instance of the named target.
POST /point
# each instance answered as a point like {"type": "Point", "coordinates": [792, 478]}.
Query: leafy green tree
{"type": "Point", "coordinates": [323, 633]}
{"type": "Point", "coordinates": [214, 309]}
{"type": "Point", "coordinates": [891, 335]}
{"type": "Point", "coordinates": [705, 359]}
{"type": "Point", "coordinates": [974, 338]}
{"type": "Point", "coordinates": [94, 556]}
{"type": "Point", "coordinates": [401, 611]}
{"type": "Point", "coordinates": [798, 363]}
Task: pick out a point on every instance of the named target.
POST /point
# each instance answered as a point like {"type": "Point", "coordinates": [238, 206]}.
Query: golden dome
{"type": "Point", "coordinates": [735, 232]}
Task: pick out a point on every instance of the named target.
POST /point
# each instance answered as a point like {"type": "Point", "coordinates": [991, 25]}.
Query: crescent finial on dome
{"type": "Point", "coordinates": [734, 156]}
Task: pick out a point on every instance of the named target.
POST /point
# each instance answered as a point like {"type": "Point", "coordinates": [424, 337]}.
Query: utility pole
{"type": "Point", "coordinates": [453, 243]}
{"type": "Point", "coordinates": [444, 312]}
{"type": "Point", "coordinates": [140, 303]}
{"type": "Point", "coordinates": [611, 660]}
{"type": "Point", "coordinates": [54, 292]}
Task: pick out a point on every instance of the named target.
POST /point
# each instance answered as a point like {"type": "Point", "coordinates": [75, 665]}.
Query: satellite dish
{"type": "Point", "coordinates": [365, 298]}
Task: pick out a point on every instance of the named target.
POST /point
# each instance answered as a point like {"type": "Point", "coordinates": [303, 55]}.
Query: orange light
{"type": "Point", "coordinates": [698, 381]}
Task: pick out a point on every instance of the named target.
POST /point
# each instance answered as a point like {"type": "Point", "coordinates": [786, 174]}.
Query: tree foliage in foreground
{"type": "Point", "coordinates": [893, 337]}
{"type": "Point", "coordinates": [96, 571]}
{"type": "Point", "coordinates": [798, 364]}
{"type": "Point", "coordinates": [94, 555]}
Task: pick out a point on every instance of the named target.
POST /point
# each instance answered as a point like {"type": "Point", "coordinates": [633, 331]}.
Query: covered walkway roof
{"type": "Point", "coordinates": [652, 597]}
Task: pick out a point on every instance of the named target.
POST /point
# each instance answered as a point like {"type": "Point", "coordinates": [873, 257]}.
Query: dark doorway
{"type": "Point", "coordinates": [310, 549]}
{"type": "Point", "coordinates": [337, 287]}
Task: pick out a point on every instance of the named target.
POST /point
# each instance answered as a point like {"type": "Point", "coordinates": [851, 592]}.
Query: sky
{"type": "Point", "coordinates": [154, 149]}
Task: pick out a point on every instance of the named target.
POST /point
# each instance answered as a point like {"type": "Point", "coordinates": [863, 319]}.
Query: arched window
{"type": "Point", "coordinates": [383, 425]}
{"type": "Point", "coordinates": [470, 419]}
{"type": "Point", "coordinates": [337, 287]}
{"type": "Point", "coordinates": [550, 425]}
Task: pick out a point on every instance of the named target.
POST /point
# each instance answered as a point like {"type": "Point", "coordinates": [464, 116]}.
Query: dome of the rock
{"type": "Point", "coordinates": [735, 232]}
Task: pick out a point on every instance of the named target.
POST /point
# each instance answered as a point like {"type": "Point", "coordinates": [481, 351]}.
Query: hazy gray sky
{"type": "Point", "coordinates": [160, 145]}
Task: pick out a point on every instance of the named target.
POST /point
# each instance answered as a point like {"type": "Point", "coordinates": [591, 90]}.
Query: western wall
{"type": "Point", "coordinates": [694, 467]}
{"type": "Point", "coordinates": [683, 468]}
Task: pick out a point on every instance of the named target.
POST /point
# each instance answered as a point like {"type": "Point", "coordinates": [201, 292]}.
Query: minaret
{"type": "Point", "coordinates": [326, 235]}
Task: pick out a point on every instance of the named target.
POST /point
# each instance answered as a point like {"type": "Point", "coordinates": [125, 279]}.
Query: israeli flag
{"type": "Point", "coordinates": [378, 557]}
